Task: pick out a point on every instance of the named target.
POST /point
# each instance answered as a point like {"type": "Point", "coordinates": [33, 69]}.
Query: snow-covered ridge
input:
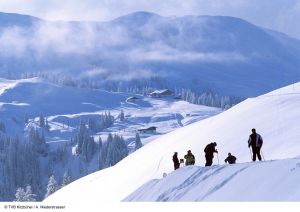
{"type": "Point", "coordinates": [274, 115]}
{"type": "Point", "coordinates": [260, 181]}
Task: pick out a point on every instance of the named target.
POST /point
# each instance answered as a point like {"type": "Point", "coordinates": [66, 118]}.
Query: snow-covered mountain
{"type": "Point", "coordinates": [224, 55]}
{"type": "Point", "coordinates": [275, 116]}
{"type": "Point", "coordinates": [65, 112]}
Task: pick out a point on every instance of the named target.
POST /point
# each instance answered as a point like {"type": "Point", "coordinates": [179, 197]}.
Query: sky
{"type": "Point", "coordinates": [280, 15]}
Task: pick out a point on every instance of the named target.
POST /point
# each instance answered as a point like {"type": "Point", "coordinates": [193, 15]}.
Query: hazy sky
{"type": "Point", "coordinates": [280, 15]}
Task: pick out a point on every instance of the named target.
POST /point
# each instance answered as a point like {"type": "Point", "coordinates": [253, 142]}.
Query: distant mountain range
{"type": "Point", "coordinates": [225, 55]}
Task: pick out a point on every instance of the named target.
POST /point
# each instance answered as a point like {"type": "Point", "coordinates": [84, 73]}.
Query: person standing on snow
{"type": "Point", "coordinates": [176, 161]}
{"type": "Point", "coordinates": [189, 158]}
{"type": "Point", "coordinates": [256, 142]}
{"type": "Point", "coordinates": [209, 150]}
{"type": "Point", "coordinates": [230, 159]}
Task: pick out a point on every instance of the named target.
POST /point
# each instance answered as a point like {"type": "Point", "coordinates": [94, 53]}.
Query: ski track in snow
{"type": "Point", "coordinates": [179, 191]}
{"type": "Point", "coordinates": [222, 183]}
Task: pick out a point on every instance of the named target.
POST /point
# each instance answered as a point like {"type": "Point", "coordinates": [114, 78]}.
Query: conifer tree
{"type": "Point", "coordinates": [138, 143]}
{"type": "Point", "coordinates": [51, 187]}
{"type": "Point", "coordinates": [66, 179]}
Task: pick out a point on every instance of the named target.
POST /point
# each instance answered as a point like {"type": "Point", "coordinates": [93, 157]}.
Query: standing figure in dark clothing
{"type": "Point", "coordinates": [230, 159]}
{"type": "Point", "coordinates": [256, 142]}
{"type": "Point", "coordinates": [209, 150]}
{"type": "Point", "coordinates": [176, 161]}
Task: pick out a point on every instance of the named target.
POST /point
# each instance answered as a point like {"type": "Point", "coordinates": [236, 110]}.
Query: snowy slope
{"type": "Point", "coordinates": [263, 181]}
{"type": "Point", "coordinates": [64, 107]}
{"type": "Point", "coordinates": [275, 116]}
{"type": "Point", "coordinates": [201, 53]}
{"type": "Point", "coordinates": [34, 96]}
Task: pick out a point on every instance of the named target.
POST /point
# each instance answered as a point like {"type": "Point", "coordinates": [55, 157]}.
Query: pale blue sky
{"type": "Point", "coordinates": [280, 15]}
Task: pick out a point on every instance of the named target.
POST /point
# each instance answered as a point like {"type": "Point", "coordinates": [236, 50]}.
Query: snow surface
{"type": "Point", "coordinates": [275, 116]}
{"type": "Point", "coordinates": [260, 181]}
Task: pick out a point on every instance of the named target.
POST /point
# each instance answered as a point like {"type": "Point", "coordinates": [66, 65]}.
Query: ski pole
{"type": "Point", "coordinates": [262, 155]}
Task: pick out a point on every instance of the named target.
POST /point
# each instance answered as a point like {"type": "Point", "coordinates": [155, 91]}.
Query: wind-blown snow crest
{"type": "Point", "coordinates": [260, 181]}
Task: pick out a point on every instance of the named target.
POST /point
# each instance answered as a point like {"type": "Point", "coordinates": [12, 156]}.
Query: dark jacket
{"type": "Point", "coordinates": [210, 149]}
{"type": "Point", "coordinates": [175, 159]}
{"type": "Point", "coordinates": [230, 159]}
{"type": "Point", "coordinates": [255, 140]}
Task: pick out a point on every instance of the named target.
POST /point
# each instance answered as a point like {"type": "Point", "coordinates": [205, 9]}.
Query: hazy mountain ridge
{"type": "Point", "coordinates": [200, 53]}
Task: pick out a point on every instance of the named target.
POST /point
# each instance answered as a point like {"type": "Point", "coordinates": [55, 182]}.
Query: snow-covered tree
{"type": "Point", "coordinates": [26, 119]}
{"type": "Point", "coordinates": [81, 135]}
{"type": "Point", "coordinates": [2, 127]}
{"type": "Point", "coordinates": [208, 98]}
{"type": "Point", "coordinates": [25, 196]}
{"type": "Point", "coordinates": [20, 195]}
{"type": "Point", "coordinates": [39, 141]}
{"type": "Point", "coordinates": [92, 125]}
{"type": "Point", "coordinates": [42, 120]}
{"type": "Point", "coordinates": [108, 150]}
{"type": "Point", "coordinates": [101, 164]}
{"type": "Point", "coordinates": [116, 150]}
{"type": "Point", "coordinates": [21, 165]}
{"type": "Point", "coordinates": [91, 148]}
{"type": "Point", "coordinates": [66, 178]}
{"type": "Point", "coordinates": [106, 120]}
{"type": "Point", "coordinates": [138, 142]}
{"type": "Point", "coordinates": [100, 161]}
{"type": "Point", "coordinates": [88, 148]}
{"type": "Point", "coordinates": [103, 151]}
{"type": "Point", "coordinates": [122, 115]}
{"type": "Point", "coordinates": [47, 126]}
{"type": "Point", "coordinates": [100, 143]}
{"type": "Point", "coordinates": [51, 187]}
{"type": "Point", "coordinates": [62, 154]}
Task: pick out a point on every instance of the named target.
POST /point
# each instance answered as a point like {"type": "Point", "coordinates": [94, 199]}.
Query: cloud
{"type": "Point", "coordinates": [133, 74]}
{"type": "Point", "coordinates": [13, 42]}
{"type": "Point", "coordinates": [93, 72]}
{"type": "Point", "coordinates": [162, 53]}
{"type": "Point", "coordinates": [279, 15]}
{"type": "Point", "coordinates": [106, 75]}
{"type": "Point", "coordinates": [60, 38]}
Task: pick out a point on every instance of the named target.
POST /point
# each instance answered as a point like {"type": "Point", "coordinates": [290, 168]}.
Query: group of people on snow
{"type": "Point", "coordinates": [255, 141]}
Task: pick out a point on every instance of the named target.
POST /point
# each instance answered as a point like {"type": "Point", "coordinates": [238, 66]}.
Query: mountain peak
{"type": "Point", "coordinates": [9, 19]}
{"type": "Point", "coordinates": [138, 16]}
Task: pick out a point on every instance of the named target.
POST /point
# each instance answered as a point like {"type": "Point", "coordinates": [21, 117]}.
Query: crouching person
{"type": "Point", "coordinates": [230, 159]}
{"type": "Point", "coordinates": [189, 158]}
